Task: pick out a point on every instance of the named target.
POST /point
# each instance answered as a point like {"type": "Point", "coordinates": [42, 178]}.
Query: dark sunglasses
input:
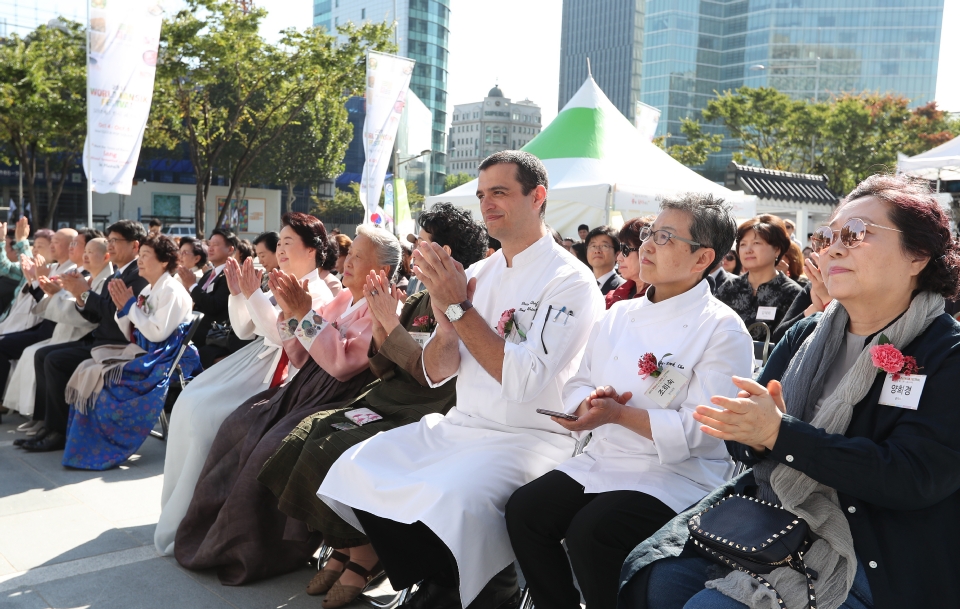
{"type": "Point", "coordinates": [625, 250]}
{"type": "Point", "coordinates": [729, 258]}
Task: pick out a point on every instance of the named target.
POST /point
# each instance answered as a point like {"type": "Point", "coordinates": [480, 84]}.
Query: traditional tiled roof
{"type": "Point", "coordinates": [779, 185]}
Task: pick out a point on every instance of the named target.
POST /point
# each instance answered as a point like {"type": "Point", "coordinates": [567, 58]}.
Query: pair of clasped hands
{"type": "Point", "coordinates": [292, 295]}
{"type": "Point", "coordinates": [752, 418]}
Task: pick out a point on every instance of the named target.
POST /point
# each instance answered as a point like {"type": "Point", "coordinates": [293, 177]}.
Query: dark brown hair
{"type": "Point", "coordinates": [165, 250]}
{"type": "Point", "coordinates": [630, 231]}
{"type": "Point", "coordinates": [925, 226]}
{"type": "Point", "coordinates": [771, 229]}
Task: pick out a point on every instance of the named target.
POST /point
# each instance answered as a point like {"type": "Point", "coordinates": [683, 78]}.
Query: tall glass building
{"type": "Point", "coordinates": [423, 34]}
{"type": "Point", "coordinates": [810, 49]}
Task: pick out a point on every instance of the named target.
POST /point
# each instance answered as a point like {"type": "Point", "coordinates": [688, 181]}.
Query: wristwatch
{"type": "Point", "coordinates": [83, 298]}
{"type": "Point", "coordinates": [456, 311]}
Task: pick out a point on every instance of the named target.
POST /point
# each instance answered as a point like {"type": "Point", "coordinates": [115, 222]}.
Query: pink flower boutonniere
{"type": "Point", "coordinates": [508, 323]}
{"type": "Point", "coordinates": [141, 300]}
{"type": "Point", "coordinates": [649, 366]}
{"type": "Point", "coordinates": [889, 359]}
{"type": "Point", "coordinates": [425, 323]}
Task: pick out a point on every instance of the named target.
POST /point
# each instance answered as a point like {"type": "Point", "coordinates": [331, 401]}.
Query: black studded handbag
{"type": "Point", "coordinates": [755, 537]}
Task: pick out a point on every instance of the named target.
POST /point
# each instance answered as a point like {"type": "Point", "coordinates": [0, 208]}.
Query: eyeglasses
{"type": "Point", "coordinates": [660, 237]}
{"type": "Point", "coordinates": [730, 258]}
{"type": "Point", "coordinates": [625, 250]}
{"type": "Point", "coordinates": [600, 247]}
{"type": "Point", "coordinates": [115, 240]}
{"type": "Point", "coordinates": [851, 234]}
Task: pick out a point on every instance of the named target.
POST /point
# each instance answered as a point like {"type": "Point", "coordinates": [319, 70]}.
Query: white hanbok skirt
{"type": "Point", "coordinates": [21, 391]}
{"type": "Point", "coordinates": [454, 474]}
{"type": "Point", "coordinates": [195, 421]}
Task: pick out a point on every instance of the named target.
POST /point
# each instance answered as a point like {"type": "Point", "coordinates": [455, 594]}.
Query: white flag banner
{"type": "Point", "coordinates": [124, 36]}
{"type": "Point", "coordinates": [647, 120]}
{"type": "Point", "coordinates": [388, 79]}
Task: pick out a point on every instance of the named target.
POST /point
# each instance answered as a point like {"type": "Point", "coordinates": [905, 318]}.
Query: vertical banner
{"type": "Point", "coordinates": [646, 120]}
{"type": "Point", "coordinates": [404, 220]}
{"type": "Point", "coordinates": [388, 78]}
{"type": "Point", "coordinates": [123, 38]}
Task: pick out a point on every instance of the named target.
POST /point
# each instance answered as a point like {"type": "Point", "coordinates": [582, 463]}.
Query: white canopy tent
{"type": "Point", "coordinates": [602, 170]}
{"type": "Point", "coordinates": [940, 163]}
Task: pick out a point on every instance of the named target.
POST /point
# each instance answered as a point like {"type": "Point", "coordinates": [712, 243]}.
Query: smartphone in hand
{"type": "Point", "coordinates": [559, 415]}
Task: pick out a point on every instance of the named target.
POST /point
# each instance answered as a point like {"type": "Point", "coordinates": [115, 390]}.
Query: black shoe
{"type": "Point", "coordinates": [513, 602]}
{"type": "Point", "coordinates": [21, 442]}
{"type": "Point", "coordinates": [431, 596]}
{"type": "Point", "coordinates": [501, 592]}
{"type": "Point", "coordinates": [51, 441]}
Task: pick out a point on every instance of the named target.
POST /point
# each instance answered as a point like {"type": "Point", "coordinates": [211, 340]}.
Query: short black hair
{"type": "Point", "coordinates": [89, 234]}
{"type": "Point", "coordinates": [530, 171]}
{"type": "Point", "coordinates": [455, 227]}
{"type": "Point", "coordinates": [331, 253]}
{"type": "Point", "coordinates": [245, 250]}
{"type": "Point", "coordinates": [228, 236]}
{"type": "Point", "coordinates": [605, 231]}
{"type": "Point", "coordinates": [269, 239]}
{"type": "Point", "coordinates": [155, 222]}
{"type": "Point", "coordinates": [198, 247]}
{"type": "Point", "coordinates": [583, 227]}
{"type": "Point", "coordinates": [712, 224]}
{"type": "Point", "coordinates": [129, 230]}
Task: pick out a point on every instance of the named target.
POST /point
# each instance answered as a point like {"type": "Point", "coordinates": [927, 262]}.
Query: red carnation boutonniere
{"type": "Point", "coordinates": [508, 323]}
{"type": "Point", "coordinates": [650, 366]}
{"type": "Point", "coordinates": [141, 301]}
{"type": "Point", "coordinates": [425, 323]}
{"type": "Point", "coordinates": [889, 359]}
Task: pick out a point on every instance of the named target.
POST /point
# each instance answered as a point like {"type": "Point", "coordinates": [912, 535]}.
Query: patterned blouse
{"type": "Point", "coordinates": [779, 292]}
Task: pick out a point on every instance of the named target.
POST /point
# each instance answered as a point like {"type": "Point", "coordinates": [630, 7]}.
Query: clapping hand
{"type": "Point", "coordinates": [50, 286]}
{"type": "Point", "coordinates": [382, 300]}
{"type": "Point", "coordinates": [187, 278]}
{"type": "Point", "coordinates": [250, 278]}
{"type": "Point", "coordinates": [120, 293]}
{"type": "Point", "coordinates": [41, 266]}
{"type": "Point", "coordinates": [28, 267]}
{"type": "Point", "coordinates": [603, 405]}
{"type": "Point", "coordinates": [752, 418]}
{"type": "Point", "coordinates": [292, 296]}
{"type": "Point", "coordinates": [74, 283]}
{"type": "Point", "coordinates": [818, 289]}
{"type": "Point", "coordinates": [232, 272]}
{"type": "Point", "coordinates": [22, 229]}
{"type": "Point", "coordinates": [443, 276]}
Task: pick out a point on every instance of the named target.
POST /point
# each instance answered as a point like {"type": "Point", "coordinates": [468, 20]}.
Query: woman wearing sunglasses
{"type": "Point", "coordinates": [762, 293]}
{"type": "Point", "coordinates": [628, 261]}
{"type": "Point", "coordinates": [852, 426]}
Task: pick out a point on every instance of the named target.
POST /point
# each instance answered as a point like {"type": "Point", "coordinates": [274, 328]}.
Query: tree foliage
{"type": "Point", "coordinates": [846, 138]}
{"type": "Point", "coordinates": [699, 144]}
{"type": "Point", "coordinates": [43, 107]}
{"type": "Point", "coordinates": [230, 95]}
{"type": "Point", "coordinates": [455, 179]}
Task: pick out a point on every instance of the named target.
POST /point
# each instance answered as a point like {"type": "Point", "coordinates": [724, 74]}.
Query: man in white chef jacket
{"type": "Point", "coordinates": [512, 329]}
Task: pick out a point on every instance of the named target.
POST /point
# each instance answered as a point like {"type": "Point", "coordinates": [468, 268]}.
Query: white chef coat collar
{"type": "Point", "coordinates": [532, 254]}
{"type": "Point", "coordinates": [681, 302]}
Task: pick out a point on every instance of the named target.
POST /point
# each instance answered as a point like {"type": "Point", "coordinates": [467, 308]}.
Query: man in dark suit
{"type": "Point", "coordinates": [55, 364]}
{"type": "Point", "coordinates": [718, 278]}
{"type": "Point", "coordinates": [211, 295]}
{"type": "Point", "coordinates": [580, 247]}
{"type": "Point", "coordinates": [603, 245]}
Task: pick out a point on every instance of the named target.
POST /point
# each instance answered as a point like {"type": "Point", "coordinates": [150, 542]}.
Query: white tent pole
{"type": "Point", "coordinates": [938, 179]}
{"type": "Point", "coordinates": [89, 181]}
{"type": "Point", "coordinates": [609, 206]}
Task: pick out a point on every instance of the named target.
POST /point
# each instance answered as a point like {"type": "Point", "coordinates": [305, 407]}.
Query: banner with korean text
{"type": "Point", "coordinates": [388, 79]}
{"type": "Point", "coordinates": [123, 38]}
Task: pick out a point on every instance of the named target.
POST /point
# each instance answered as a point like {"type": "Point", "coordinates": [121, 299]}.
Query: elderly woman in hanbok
{"type": "Point", "coordinates": [401, 396]}
{"type": "Point", "coordinates": [232, 523]}
{"type": "Point", "coordinates": [259, 366]}
{"type": "Point", "coordinates": [114, 404]}
{"type": "Point", "coordinates": [648, 458]}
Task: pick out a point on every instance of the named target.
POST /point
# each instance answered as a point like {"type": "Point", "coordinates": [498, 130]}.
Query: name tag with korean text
{"type": "Point", "coordinates": [668, 385]}
{"type": "Point", "coordinates": [766, 313]}
{"type": "Point", "coordinates": [903, 392]}
{"type": "Point", "coordinates": [421, 338]}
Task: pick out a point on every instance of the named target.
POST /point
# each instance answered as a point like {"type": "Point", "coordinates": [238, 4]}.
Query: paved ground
{"type": "Point", "coordinates": [77, 539]}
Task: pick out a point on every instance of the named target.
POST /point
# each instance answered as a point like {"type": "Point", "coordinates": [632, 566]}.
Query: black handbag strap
{"type": "Point", "coordinates": [807, 572]}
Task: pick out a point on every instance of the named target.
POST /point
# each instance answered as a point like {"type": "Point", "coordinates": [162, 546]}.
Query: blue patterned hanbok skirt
{"type": "Point", "coordinates": [126, 409]}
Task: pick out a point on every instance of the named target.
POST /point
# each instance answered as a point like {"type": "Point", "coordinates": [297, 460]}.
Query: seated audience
{"type": "Point", "coordinates": [430, 496]}
{"type": "Point", "coordinates": [210, 294]}
{"type": "Point", "coordinates": [245, 250]}
{"type": "Point", "coordinates": [762, 293]}
{"type": "Point", "coordinates": [327, 269]}
{"type": "Point", "coordinates": [343, 248]}
{"type": "Point", "coordinates": [55, 364]}
{"type": "Point", "coordinates": [873, 473]}
{"type": "Point", "coordinates": [580, 247]}
{"type": "Point", "coordinates": [155, 227]}
{"type": "Point", "coordinates": [117, 395]}
{"type": "Point", "coordinates": [261, 365]}
{"type": "Point", "coordinates": [233, 524]}
{"type": "Point", "coordinates": [602, 249]}
{"type": "Point", "coordinates": [647, 459]}
{"type": "Point", "coordinates": [731, 263]}
{"type": "Point", "coordinates": [628, 262]}
{"type": "Point", "coordinates": [42, 240]}
{"type": "Point", "coordinates": [791, 264]}
{"type": "Point", "coordinates": [265, 248]}
{"type": "Point", "coordinates": [193, 257]}
{"type": "Point", "coordinates": [401, 397]}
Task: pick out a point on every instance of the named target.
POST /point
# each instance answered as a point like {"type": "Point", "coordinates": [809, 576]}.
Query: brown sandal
{"type": "Point", "coordinates": [340, 595]}
{"type": "Point", "coordinates": [325, 578]}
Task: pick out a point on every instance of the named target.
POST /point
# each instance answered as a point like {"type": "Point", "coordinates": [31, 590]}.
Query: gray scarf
{"type": "Point", "coordinates": [832, 554]}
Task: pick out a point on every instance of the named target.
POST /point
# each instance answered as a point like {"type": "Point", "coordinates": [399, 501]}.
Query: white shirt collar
{"type": "Point", "coordinates": [123, 269]}
{"type": "Point", "coordinates": [603, 278]}
{"type": "Point", "coordinates": [717, 272]}
{"type": "Point", "coordinates": [217, 270]}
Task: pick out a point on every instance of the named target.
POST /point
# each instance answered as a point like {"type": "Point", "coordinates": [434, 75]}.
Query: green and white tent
{"type": "Point", "coordinates": [602, 170]}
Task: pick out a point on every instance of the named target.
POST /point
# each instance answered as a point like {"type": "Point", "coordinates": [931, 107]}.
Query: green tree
{"type": "Point", "coordinates": [229, 95]}
{"type": "Point", "coordinates": [455, 179]}
{"type": "Point", "coordinates": [344, 202]}
{"type": "Point", "coordinates": [698, 146]}
{"type": "Point", "coordinates": [43, 107]}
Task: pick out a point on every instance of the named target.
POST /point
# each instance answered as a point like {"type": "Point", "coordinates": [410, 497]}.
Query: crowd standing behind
{"type": "Point", "coordinates": [440, 408]}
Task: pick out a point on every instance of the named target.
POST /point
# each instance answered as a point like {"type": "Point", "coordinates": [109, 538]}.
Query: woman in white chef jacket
{"type": "Point", "coordinates": [648, 364]}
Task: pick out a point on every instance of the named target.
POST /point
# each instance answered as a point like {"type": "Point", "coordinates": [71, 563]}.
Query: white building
{"type": "Point", "coordinates": [481, 128]}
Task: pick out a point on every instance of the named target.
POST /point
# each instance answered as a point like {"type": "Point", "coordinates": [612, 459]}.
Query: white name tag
{"type": "Point", "coordinates": [668, 385]}
{"type": "Point", "coordinates": [421, 338]}
{"type": "Point", "coordinates": [903, 392]}
{"type": "Point", "coordinates": [766, 313]}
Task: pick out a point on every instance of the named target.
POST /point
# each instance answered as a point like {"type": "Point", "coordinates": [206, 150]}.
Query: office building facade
{"type": "Point", "coordinates": [481, 128]}
{"type": "Point", "coordinates": [423, 34]}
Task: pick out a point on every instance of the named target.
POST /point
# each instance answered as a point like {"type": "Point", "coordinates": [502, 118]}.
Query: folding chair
{"type": "Point", "coordinates": [195, 319]}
